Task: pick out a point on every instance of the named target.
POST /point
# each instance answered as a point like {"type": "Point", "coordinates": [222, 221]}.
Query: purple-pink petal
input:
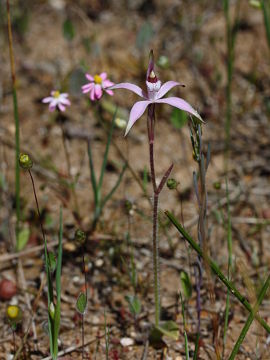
{"type": "Point", "coordinates": [128, 86]}
{"type": "Point", "coordinates": [136, 112]}
{"type": "Point", "coordinates": [180, 104]}
{"type": "Point", "coordinates": [103, 76]}
{"type": "Point", "coordinates": [167, 87]}
{"type": "Point", "coordinates": [89, 77]}
{"type": "Point", "coordinates": [87, 87]}
{"type": "Point", "coordinates": [109, 92]}
{"type": "Point", "coordinates": [65, 101]}
{"type": "Point", "coordinates": [107, 83]}
{"type": "Point", "coordinates": [98, 92]}
{"type": "Point", "coordinates": [61, 107]}
{"type": "Point", "coordinates": [47, 99]}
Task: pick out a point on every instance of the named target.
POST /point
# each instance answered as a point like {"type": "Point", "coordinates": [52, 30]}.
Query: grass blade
{"type": "Point", "coordinates": [216, 270]}
{"type": "Point", "coordinates": [229, 243]}
{"type": "Point", "coordinates": [250, 319]}
{"type": "Point", "coordinates": [266, 17]}
{"type": "Point", "coordinates": [105, 158]}
{"type": "Point", "coordinates": [110, 194]}
{"type": "Point", "coordinates": [92, 173]}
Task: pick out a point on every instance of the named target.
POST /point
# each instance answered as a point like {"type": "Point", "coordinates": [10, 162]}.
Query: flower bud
{"type": "Point", "coordinates": [52, 310]}
{"type": "Point", "coordinates": [13, 312]}
{"type": "Point", "coordinates": [217, 185]}
{"type": "Point", "coordinates": [25, 162]}
{"type": "Point", "coordinates": [80, 236]}
{"type": "Point", "coordinates": [172, 184]}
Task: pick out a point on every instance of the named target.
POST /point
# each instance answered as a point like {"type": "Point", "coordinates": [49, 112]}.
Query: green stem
{"type": "Point", "coordinates": [17, 124]}
{"type": "Point", "coordinates": [251, 317]}
{"type": "Point", "coordinates": [216, 270]}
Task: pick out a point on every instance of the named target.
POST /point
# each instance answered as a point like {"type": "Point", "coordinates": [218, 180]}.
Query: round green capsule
{"type": "Point", "coordinates": [25, 161]}
{"type": "Point", "coordinates": [172, 184]}
{"type": "Point", "coordinates": [80, 236]}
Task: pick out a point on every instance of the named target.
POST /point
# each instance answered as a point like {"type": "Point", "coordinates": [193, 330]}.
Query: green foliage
{"type": "Point", "coordinates": [100, 201]}
{"type": "Point", "coordinates": [144, 36]}
{"type": "Point", "coordinates": [54, 309]}
{"type": "Point", "coordinates": [134, 304]}
{"type": "Point", "coordinates": [178, 118]}
{"type": "Point", "coordinates": [51, 261]}
{"type": "Point", "coordinates": [23, 238]}
{"type": "Point", "coordinates": [76, 81]}
{"type": "Point", "coordinates": [185, 284]}
{"type": "Point", "coordinates": [165, 328]}
{"type": "Point", "coordinates": [81, 303]}
{"type": "Point", "coordinates": [68, 30]}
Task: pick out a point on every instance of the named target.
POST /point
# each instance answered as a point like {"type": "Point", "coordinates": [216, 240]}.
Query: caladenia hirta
{"type": "Point", "coordinates": [154, 95]}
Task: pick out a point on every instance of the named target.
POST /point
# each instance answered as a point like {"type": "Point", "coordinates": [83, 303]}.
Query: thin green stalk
{"type": "Point", "coordinates": [105, 157]}
{"type": "Point", "coordinates": [229, 244]}
{"type": "Point", "coordinates": [266, 17]}
{"type": "Point", "coordinates": [184, 324]}
{"type": "Point", "coordinates": [107, 336]}
{"type": "Point", "coordinates": [250, 318]}
{"type": "Point", "coordinates": [216, 270]}
{"type": "Point", "coordinates": [17, 124]}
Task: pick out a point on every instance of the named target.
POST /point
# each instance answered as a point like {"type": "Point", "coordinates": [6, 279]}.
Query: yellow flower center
{"type": "Point", "coordinates": [56, 94]}
{"type": "Point", "coordinates": [97, 79]}
{"type": "Point", "coordinates": [12, 312]}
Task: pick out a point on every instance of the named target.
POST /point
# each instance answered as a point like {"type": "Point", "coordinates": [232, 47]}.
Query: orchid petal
{"type": "Point", "coordinates": [151, 64]}
{"type": "Point", "coordinates": [136, 112]}
{"type": "Point", "coordinates": [180, 104]}
{"type": "Point", "coordinates": [136, 89]}
{"type": "Point", "coordinates": [167, 87]}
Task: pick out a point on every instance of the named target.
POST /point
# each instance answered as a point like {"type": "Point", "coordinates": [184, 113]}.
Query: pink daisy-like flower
{"type": "Point", "coordinates": [96, 85]}
{"type": "Point", "coordinates": [57, 100]}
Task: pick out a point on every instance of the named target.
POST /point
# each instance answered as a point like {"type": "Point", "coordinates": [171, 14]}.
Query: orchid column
{"type": "Point", "coordinates": [154, 95]}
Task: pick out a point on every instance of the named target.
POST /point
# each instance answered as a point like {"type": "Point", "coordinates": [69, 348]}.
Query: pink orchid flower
{"type": "Point", "coordinates": [57, 100]}
{"type": "Point", "coordinates": [96, 85]}
{"type": "Point", "coordinates": [154, 95]}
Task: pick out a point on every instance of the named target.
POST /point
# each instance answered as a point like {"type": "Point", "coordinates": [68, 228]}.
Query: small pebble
{"type": "Point", "coordinates": [126, 342]}
{"type": "Point", "coordinates": [7, 289]}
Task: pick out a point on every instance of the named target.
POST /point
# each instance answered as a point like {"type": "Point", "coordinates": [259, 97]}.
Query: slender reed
{"type": "Point", "coordinates": [250, 319]}
{"type": "Point", "coordinates": [215, 268]}
{"type": "Point", "coordinates": [17, 124]}
{"type": "Point", "coordinates": [229, 245]}
{"type": "Point", "coordinates": [80, 237]}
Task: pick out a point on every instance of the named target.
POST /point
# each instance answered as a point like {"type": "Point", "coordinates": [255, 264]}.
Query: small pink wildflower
{"type": "Point", "coordinates": [155, 94]}
{"type": "Point", "coordinates": [96, 85]}
{"type": "Point", "coordinates": [57, 100]}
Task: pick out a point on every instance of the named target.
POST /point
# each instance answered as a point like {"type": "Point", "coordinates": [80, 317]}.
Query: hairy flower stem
{"type": "Point", "coordinates": [156, 190]}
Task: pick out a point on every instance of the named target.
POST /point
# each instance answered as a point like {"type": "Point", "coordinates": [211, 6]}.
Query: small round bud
{"type": "Point", "coordinates": [13, 312]}
{"type": "Point", "coordinates": [172, 184]}
{"type": "Point", "coordinates": [25, 162]}
{"type": "Point", "coordinates": [163, 62]}
{"type": "Point", "coordinates": [52, 310]}
{"type": "Point", "coordinates": [217, 185]}
{"type": "Point", "coordinates": [80, 236]}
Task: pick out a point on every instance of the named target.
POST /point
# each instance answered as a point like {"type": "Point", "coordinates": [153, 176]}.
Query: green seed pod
{"type": "Point", "coordinates": [172, 184]}
{"type": "Point", "coordinates": [217, 185]}
{"type": "Point", "coordinates": [52, 310]}
{"type": "Point", "coordinates": [25, 162]}
{"type": "Point", "coordinates": [80, 236]}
